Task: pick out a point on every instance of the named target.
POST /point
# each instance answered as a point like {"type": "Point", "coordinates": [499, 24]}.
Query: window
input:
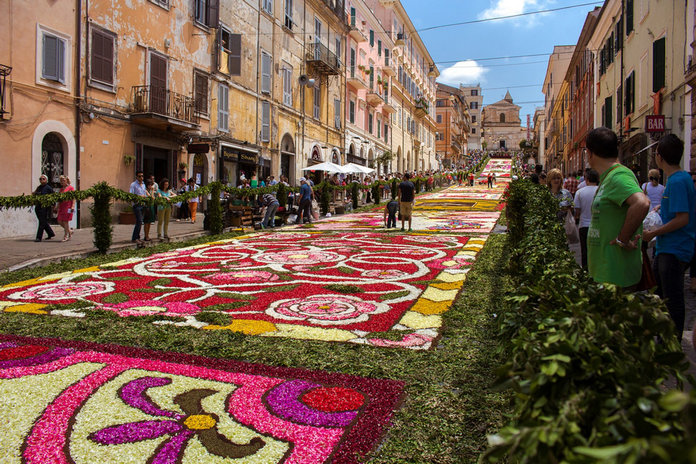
{"type": "Point", "coordinates": [630, 90]}
{"type": "Point", "coordinates": [53, 57]}
{"type": "Point", "coordinates": [337, 113]}
{"type": "Point", "coordinates": [352, 17]}
{"type": "Point", "coordinates": [223, 108]}
{"type": "Point", "coordinates": [369, 122]}
{"type": "Point", "coordinates": [266, 64]}
{"type": "Point", "coordinates": [338, 48]}
{"type": "Point", "coordinates": [288, 14]}
{"type": "Point", "coordinates": [265, 121]}
{"type": "Point", "coordinates": [162, 3]}
{"type": "Point", "coordinates": [200, 92]}
{"type": "Point", "coordinates": [474, 93]}
{"type": "Point", "coordinates": [658, 65]}
{"type": "Point", "coordinates": [439, 118]}
{"type": "Point", "coordinates": [372, 38]}
{"type": "Point", "coordinates": [502, 118]}
{"type": "Point", "coordinates": [230, 54]}
{"type": "Point", "coordinates": [474, 105]}
{"type": "Point", "coordinates": [473, 118]}
{"type": "Point", "coordinates": [379, 48]}
{"type": "Point", "coordinates": [287, 85]}
{"type": "Point", "coordinates": [473, 130]}
{"type": "Point", "coordinates": [207, 12]}
{"type": "Point", "coordinates": [101, 66]}
{"type": "Point", "coordinates": [379, 128]}
{"type": "Point", "coordinates": [267, 6]}
{"type": "Point", "coordinates": [386, 132]}
{"type": "Point", "coordinates": [351, 111]}
{"type": "Point", "coordinates": [619, 103]}
{"type": "Point", "coordinates": [606, 118]}
{"type": "Point", "coordinates": [317, 101]}
{"type": "Point", "coordinates": [629, 16]}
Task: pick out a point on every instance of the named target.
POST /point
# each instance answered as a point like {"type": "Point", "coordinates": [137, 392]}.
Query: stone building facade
{"type": "Point", "coordinates": [502, 127]}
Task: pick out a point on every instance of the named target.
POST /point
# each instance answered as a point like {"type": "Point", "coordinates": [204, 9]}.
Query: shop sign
{"type": "Point", "coordinates": [228, 153]}
{"type": "Point", "coordinates": [198, 148]}
{"type": "Point", "coordinates": [247, 157]}
{"type": "Point", "coordinates": [655, 123]}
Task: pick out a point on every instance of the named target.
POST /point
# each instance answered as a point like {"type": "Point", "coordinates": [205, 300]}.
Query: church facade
{"type": "Point", "coordinates": [502, 127]}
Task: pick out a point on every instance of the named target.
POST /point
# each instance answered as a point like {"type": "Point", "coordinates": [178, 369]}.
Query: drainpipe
{"type": "Point", "coordinates": [621, 82]}
{"type": "Point", "coordinates": [78, 78]}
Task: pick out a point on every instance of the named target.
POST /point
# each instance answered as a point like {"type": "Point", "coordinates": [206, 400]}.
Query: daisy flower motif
{"type": "Point", "coordinates": [384, 273]}
{"type": "Point", "coordinates": [326, 309]}
{"type": "Point", "coordinates": [245, 276]}
{"type": "Point", "coordinates": [63, 291]}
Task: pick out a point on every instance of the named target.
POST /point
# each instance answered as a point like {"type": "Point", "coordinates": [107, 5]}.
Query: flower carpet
{"type": "Point", "coordinates": [467, 222]}
{"type": "Point", "coordinates": [500, 167]}
{"type": "Point", "coordinates": [84, 403]}
{"type": "Point", "coordinates": [332, 286]}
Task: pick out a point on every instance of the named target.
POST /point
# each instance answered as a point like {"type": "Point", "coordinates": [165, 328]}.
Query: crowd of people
{"type": "Point", "coordinates": [608, 205]}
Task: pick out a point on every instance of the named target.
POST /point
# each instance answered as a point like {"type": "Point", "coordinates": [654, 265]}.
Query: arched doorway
{"type": "Point", "coordinates": [287, 158]}
{"type": "Point", "coordinates": [351, 153]}
{"type": "Point", "coordinates": [200, 169]}
{"type": "Point", "coordinates": [370, 159]}
{"type": "Point", "coordinates": [335, 156]}
{"type": "Point", "coordinates": [52, 158]}
{"type": "Point", "coordinates": [315, 158]}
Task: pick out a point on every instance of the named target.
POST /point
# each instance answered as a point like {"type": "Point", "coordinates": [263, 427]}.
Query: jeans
{"type": "Point", "coordinates": [583, 245]}
{"type": "Point", "coordinates": [391, 220]}
{"type": "Point", "coordinates": [270, 214]}
{"type": "Point", "coordinates": [138, 211]}
{"type": "Point", "coordinates": [669, 273]}
{"type": "Point", "coordinates": [42, 215]}
{"type": "Point", "coordinates": [305, 212]}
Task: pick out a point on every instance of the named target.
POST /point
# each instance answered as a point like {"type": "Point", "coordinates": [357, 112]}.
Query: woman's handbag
{"type": "Point", "coordinates": [571, 229]}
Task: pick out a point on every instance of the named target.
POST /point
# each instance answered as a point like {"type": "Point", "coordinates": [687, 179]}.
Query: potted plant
{"type": "Point", "coordinates": [126, 216]}
{"type": "Point", "coordinates": [128, 159]}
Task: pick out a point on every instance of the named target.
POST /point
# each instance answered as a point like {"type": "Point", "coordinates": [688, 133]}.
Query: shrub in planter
{"type": "Point", "coordinates": [282, 195]}
{"type": "Point", "coordinates": [101, 217]}
{"type": "Point", "coordinates": [354, 192]}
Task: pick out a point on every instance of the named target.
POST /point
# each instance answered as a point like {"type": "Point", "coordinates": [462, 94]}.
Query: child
{"type": "Point", "coordinates": [390, 210]}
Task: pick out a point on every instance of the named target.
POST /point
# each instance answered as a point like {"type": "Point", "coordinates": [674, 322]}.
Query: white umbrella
{"type": "Point", "coordinates": [352, 168]}
{"type": "Point", "coordinates": [325, 166]}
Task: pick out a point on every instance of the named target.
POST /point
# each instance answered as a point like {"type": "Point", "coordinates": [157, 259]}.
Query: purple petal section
{"type": "Point", "coordinates": [42, 358]}
{"type": "Point", "coordinates": [4, 345]}
{"type": "Point", "coordinates": [134, 394]}
{"type": "Point", "coordinates": [170, 451]}
{"type": "Point", "coordinates": [283, 401]}
{"type": "Point", "coordinates": [133, 432]}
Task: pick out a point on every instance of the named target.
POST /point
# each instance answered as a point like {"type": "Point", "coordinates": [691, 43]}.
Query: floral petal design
{"type": "Point", "coordinates": [219, 445]}
{"type": "Point", "coordinates": [170, 451]}
{"type": "Point", "coordinates": [134, 394]}
{"type": "Point", "coordinates": [133, 432]}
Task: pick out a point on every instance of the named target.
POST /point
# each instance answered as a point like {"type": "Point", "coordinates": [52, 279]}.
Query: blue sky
{"type": "Point", "coordinates": [459, 51]}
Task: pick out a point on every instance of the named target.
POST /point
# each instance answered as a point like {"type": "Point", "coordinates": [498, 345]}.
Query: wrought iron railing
{"type": "Point", "coordinates": [159, 100]}
{"type": "Point", "coordinates": [324, 59]}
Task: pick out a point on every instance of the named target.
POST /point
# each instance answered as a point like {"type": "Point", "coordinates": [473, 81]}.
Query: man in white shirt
{"type": "Point", "coordinates": [138, 188]}
{"type": "Point", "coordinates": [583, 209]}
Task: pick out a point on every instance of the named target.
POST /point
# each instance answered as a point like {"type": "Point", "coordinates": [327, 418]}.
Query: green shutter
{"type": "Point", "coordinates": [658, 65]}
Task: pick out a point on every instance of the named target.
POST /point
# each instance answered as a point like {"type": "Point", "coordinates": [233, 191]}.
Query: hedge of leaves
{"type": "Point", "coordinates": [587, 362]}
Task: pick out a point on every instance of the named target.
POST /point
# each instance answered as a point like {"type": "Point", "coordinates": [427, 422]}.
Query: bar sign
{"type": "Point", "coordinates": [655, 123]}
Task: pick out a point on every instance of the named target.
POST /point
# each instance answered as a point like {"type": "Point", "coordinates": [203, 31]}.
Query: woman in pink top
{"type": "Point", "coordinates": [65, 208]}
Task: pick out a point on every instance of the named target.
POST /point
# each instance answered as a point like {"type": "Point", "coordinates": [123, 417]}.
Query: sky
{"type": "Point", "coordinates": [463, 53]}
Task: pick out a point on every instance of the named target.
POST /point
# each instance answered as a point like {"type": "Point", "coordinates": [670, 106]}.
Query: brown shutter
{"type": "Point", "coordinates": [201, 92]}
{"type": "Point", "coordinates": [235, 64]}
{"type": "Point", "coordinates": [102, 57]}
{"type": "Point", "coordinates": [158, 84]}
{"type": "Point", "coordinates": [213, 15]}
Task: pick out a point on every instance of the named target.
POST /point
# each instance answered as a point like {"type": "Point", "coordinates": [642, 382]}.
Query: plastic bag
{"type": "Point", "coordinates": [571, 229]}
{"type": "Point", "coordinates": [652, 221]}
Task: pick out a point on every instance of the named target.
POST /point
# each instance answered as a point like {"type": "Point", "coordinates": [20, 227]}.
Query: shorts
{"type": "Point", "coordinates": [405, 209]}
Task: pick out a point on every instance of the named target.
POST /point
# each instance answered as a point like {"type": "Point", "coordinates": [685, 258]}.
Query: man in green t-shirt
{"type": "Point", "coordinates": [618, 210]}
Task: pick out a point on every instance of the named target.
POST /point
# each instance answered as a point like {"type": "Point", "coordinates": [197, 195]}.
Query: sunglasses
{"type": "Point", "coordinates": [653, 178]}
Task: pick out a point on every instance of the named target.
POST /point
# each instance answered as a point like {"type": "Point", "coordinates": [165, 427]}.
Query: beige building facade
{"type": "Point", "coordinates": [502, 127]}
{"type": "Point", "coordinates": [474, 98]}
{"type": "Point", "coordinates": [555, 72]}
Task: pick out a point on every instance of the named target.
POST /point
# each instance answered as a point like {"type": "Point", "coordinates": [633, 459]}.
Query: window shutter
{"type": "Point", "coordinates": [213, 13]}
{"type": "Point", "coordinates": [223, 108]}
{"type": "Point", "coordinates": [201, 93]}
{"type": "Point", "coordinates": [658, 65]}
{"type": "Point", "coordinates": [50, 58]}
{"type": "Point", "coordinates": [372, 38]}
{"type": "Point", "coordinates": [337, 113]}
{"type": "Point", "coordinates": [265, 73]}
{"type": "Point", "coordinates": [102, 57]}
{"type": "Point", "coordinates": [265, 121]}
{"type": "Point", "coordinates": [235, 59]}
{"type": "Point", "coordinates": [629, 16]}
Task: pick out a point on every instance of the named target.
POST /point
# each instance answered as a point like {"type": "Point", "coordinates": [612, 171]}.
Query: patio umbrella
{"type": "Point", "coordinates": [352, 168]}
{"type": "Point", "coordinates": [326, 166]}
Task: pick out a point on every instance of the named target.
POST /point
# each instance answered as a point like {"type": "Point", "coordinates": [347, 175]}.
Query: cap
{"type": "Point", "coordinates": [183, 180]}
{"type": "Point", "coordinates": [302, 179]}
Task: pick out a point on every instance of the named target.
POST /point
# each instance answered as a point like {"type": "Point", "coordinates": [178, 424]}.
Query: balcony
{"type": "Point", "coordinates": [388, 67]}
{"type": "Point", "coordinates": [374, 98]}
{"type": "Point", "coordinates": [161, 108]}
{"type": "Point", "coordinates": [323, 60]}
{"type": "Point", "coordinates": [338, 7]}
{"type": "Point", "coordinates": [421, 108]}
{"type": "Point", "coordinates": [690, 75]}
{"type": "Point", "coordinates": [355, 32]}
{"type": "Point", "coordinates": [400, 39]}
{"type": "Point", "coordinates": [387, 106]}
{"type": "Point", "coordinates": [356, 79]}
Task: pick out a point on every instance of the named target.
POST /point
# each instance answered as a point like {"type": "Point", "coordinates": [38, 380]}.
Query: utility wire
{"type": "Point", "coordinates": [475, 21]}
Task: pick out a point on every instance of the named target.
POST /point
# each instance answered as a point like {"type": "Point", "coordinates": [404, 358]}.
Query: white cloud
{"type": "Point", "coordinates": [501, 8]}
{"type": "Point", "coordinates": [463, 72]}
